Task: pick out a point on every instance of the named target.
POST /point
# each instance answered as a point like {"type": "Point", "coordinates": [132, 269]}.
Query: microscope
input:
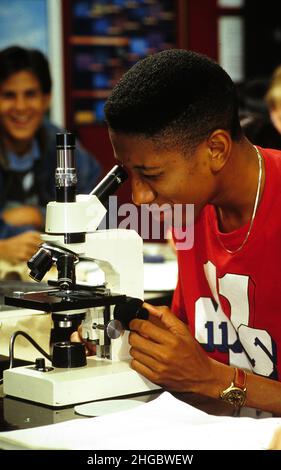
{"type": "Point", "coordinates": [73, 234]}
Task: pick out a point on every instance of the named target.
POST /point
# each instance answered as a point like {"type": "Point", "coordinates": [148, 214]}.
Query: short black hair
{"type": "Point", "coordinates": [14, 59]}
{"type": "Point", "coordinates": [176, 95]}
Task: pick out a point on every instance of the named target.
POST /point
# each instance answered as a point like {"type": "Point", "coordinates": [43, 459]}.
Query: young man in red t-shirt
{"type": "Point", "coordinates": [173, 122]}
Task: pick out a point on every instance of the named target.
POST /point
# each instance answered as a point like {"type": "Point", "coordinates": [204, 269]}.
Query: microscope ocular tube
{"type": "Point", "coordinates": [65, 177]}
{"type": "Point", "coordinates": [110, 183]}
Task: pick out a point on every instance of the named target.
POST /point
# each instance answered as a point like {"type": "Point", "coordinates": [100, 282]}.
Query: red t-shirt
{"type": "Point", "coordinates": [232, 302]}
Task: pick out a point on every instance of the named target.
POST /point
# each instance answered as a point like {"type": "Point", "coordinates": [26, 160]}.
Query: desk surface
{"type": "Point", "coordinates": [19, 414]}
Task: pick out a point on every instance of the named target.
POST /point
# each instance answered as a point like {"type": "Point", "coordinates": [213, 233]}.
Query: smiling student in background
{"type": "Point", "coordinates": [28, 152]}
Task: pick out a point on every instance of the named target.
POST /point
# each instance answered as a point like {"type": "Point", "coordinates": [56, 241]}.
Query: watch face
{"type": "Point", "coordinates": [235, 397]}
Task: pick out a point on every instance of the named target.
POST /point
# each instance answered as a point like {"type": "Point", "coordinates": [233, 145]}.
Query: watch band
{"type": "Point", "coordinates": [240, 378]}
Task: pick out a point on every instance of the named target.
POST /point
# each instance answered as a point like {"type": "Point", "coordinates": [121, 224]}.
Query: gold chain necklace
{"type": "Point", "coordinates": [254, 210]}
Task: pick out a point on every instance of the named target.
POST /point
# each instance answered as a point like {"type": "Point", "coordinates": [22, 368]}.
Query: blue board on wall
{"type": "Point", "coordinates": [24, 22]}
{"type": "Point", "coordinates": [107, 38]}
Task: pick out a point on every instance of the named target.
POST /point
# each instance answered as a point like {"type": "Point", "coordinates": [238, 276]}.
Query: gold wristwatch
{"type": "Point", "coordinates": [237, 392]}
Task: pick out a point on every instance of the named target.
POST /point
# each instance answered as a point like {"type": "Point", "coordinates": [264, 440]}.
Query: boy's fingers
{"type": "Point", "coordinates": [168, 319]}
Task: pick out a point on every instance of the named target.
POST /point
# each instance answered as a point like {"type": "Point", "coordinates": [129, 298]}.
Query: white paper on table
{"type": "Point", "coordinates": [160, 276]}
{"type": "Point", "coordinates": [164, 423]}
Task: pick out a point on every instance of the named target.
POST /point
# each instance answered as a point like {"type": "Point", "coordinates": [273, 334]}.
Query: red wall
{"type": "Point", "coordinates": [202, 27]}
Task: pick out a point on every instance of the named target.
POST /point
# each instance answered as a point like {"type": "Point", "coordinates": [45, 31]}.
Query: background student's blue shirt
{"type": "Point", "coordinates": [30, 180]}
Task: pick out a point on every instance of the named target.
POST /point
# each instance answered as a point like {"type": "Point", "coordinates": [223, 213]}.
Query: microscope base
{"type": "Point", "coordinates": [98, 380]}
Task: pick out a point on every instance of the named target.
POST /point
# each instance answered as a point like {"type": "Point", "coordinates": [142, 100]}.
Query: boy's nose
{"type": "Point", "coordinates": [142, 193]}
{"type": "Point", "coordinates": [20, 103]}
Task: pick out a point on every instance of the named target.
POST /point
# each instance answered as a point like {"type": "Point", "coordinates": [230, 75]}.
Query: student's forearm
{"type": "Point", "coordinates": [262, 393]}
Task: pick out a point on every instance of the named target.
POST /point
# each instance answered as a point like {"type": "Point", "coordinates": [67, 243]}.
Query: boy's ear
{"type": "Point", "coordinates": [219, 143]}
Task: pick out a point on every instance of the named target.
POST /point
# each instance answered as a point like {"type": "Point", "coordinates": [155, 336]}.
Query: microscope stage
{"type": "Point", "coordinates": [54, 300]}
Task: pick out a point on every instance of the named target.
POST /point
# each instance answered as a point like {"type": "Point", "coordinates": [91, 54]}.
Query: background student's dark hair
{"type": "Point", "coordinates": [175, 96]}
{"type": "Point", "coordinates": [14, 59]}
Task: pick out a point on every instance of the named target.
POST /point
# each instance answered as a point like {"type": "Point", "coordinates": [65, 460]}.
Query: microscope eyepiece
{"type": "Point", "coordinates": [66, 178]}
{"type": "Point", "coordinates": [65, 140]}
{"type": "Point", "coordinates": [110, 183]}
